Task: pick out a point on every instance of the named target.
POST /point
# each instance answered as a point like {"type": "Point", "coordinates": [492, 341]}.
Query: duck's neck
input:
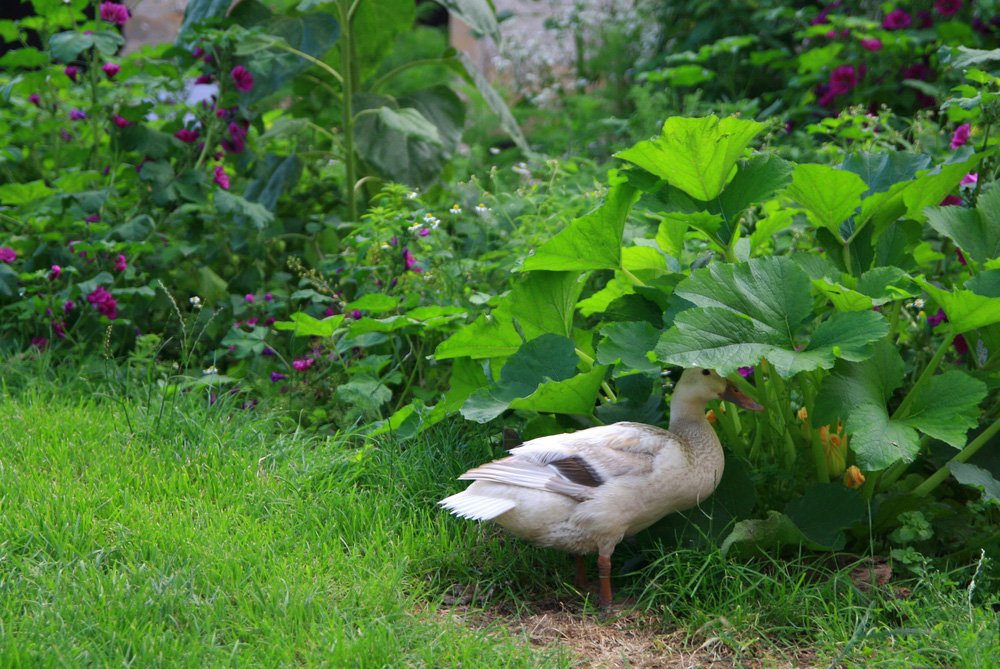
{"type": "Point", "coordinates": [687, 420]}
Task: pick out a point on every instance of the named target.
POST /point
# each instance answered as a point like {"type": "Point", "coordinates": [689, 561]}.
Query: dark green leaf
{"type": "Point", "coordinates": [280, 175]}
{"type": "Point", "coordinates": [245, 343]}
{"type": "Point", "coordinates": [829, 195]}
{"type": "Point", "coordinates": [776, 531]}
{"type": "Point", "coordinates": [477, 14]}
{"type": "Point", "coordinates": [629, 343]}
{"type": "Point", "coordinates": [975, 231]}
{"type": "Point", "coordinates": [947, 407]}
{"type": "Point", "coordinates": [977, 477]}
{"type": "Point", "coordinates": [824, 510]}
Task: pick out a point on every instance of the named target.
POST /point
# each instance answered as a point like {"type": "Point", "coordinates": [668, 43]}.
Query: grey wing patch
{"type": "Point", "coordinates": [577, 470]}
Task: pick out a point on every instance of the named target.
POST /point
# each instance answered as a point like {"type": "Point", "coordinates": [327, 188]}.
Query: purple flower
{"type": "Point", "coordinates": [918, 71]}
{"type": "Point", "coordinates": [252, 321]}
{"type": "Point", "coordinates": [843, 79]}
{"type": "Point", "coordinates": [948, 7]}
{"type": "Point", "coordinates": [268, 297]}
{"type": "Point", "coordinates": [221, 177]}
{"type": "Point", "coordinates": [104, 302]}
{"type": "Point", "coordinates": [248, 297]}
{"type": "Point", "coordinates": [970, 178]}
{"type": "Point", "coordinates": [961, 346]}
{"type": "Point", "coordinates": [926, 20]}
{"type": "Point", "coordinates": [7, 254]}
{"type": "Point", "coordinates": [115, 13]}
{"type": "Point", "coordinates": [897, 19]}
{"type": "Point", "coordinates": [204, 79]}
{"type": "Point", "coordinates": [270, 320]}
{"type": "Point", "coordinates": [35, 99]}
{"type": "Point", "coordinates": [267, 351]}
{"type": "Point", "coordinates": [873, 44]}
{"type": "Point", "coordinates": [410, 261]}
{"type": "Point", "coordinates": [69, 305]}
{"type": "Point", "coordinates": [950, 200]}
{"type": "Point", "coordinates": [65, 134]}
{"type": "Point", "coordinates": [185, 135]}
{"type": "Point", "coordinates": [937, 318]}
{"type": "Point", "coordinates": [961, 258]}
{"type": "Point", "coordinates": [120, 121]}
{"type": "Point", "coordinates": [745, 371]}
{"type": "Point", "coordinates": [242, 78]}
{"type": "Point", "coordinates": [41, 343]}
{"type": "Point", "coordinates": [121, 265]}
{"type": "Point", "coordinates": [423, 232]}
{"type": "Point", "coordinates": [76, 115]}
{"type": "Point", "coordinates": [59, 327]}
{"type": "Point", "coordinates": [357, 315]}
{"type": "Point", "coordinates": [303, 364]}
{"type": "Point", "coordinates": [961, 136]}
{"type": "Point", "coordinates": [93, 218]}
{"type": "Point", "coordinates": [238, 136]}
{"type": "Point", "coordinates": [55, 272]}
{"type": "Point", "coordinates": [111, 70]}
{"type": "Point", "coordinates": [72, 71]}
{"type": "Point", "coordinates": [198, 52]}
{"type": "Point", "coordinates": [275, 376]}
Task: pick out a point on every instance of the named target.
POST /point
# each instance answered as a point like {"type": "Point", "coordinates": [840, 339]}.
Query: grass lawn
{"type": "Point", "coordinates": [211, 536]}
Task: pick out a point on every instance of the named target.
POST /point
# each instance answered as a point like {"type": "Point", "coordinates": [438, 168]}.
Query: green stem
{"type": "Point", "coordinates": [940, 475]}
{"type": "Point", "coordinates": [402, 68]}
{"type": "Point", "coordinates": [925, 376]}
{"type": "Point", "coordinates": [206, 147]}
{"type": "Point", "coordinates": [315, 61]}
{"type": "Point", "coordinates": [819, 458]}
{"type": "Point", "coordinates": [847, 257]}
{"type": "Point", "coordinates": [632, 277]}
{"type": "Point", "coordinates": [349, 84]}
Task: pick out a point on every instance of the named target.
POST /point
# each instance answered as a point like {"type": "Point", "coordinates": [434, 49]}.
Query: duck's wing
{"type": "Point", "coordinates": [562, 477]}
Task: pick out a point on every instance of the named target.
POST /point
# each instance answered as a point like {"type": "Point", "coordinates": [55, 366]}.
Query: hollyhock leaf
{"type": "Point", "coordinates": [697, 155]}
{"type": "Point", "coordinates": [771, 533]}
{"type": "Point", "coordinates": [256, 214]}
{"type": "Point", "coordinates": [279, 175]}
{"type": "Point", "coordinates": [245, 343]}
{"type": "Point", "coordinates": [410, 123]}
{"type": "Point", "coordinates": [489, 336]}
{"type": "Point", "coordinates": [976, 477]}
{"type": "Point", "coordinates": [66, 46]}
{"type": "Point", "coordinates": [466, 377]}
{"type": "Point", "coordinates": [882, 169]}
{"type": "Point", "coordinates": [549, 357]}
{"type": "Point", "coordinates": [147, 141]}
{"type": "Point", "coordinates": [975, 231]}
{"type": "Point", "coordinates": [593, 241]}
{"type": "Point", "coordinates": [478, 14]}
{"type": "Point", "coordinates": [305, 325]}
{"type": "Point", "coordinates": [628, 343]}
{"type": "Point", "coordinates": [9, 280]}
{"type": "Point", "coordinates": [711, 225]}
{"type": "Point", "coordinates": [376, 303]}
{"type": "Point", "coordinates": [965, 309]}
{"type": "Point", "coordinates": [756, 181]}
{"type": "Point", "coordinates": [364, 390]}
{"type": "Point", "coordinates": [929, 189]}
{"type": "Point", "coordinates": [198, 12]}
{"type": "Point", "coordinates": [108, 42]}
{"type": "Point", "coordinates": [576, 395]}
{"type": "Point", "coordinates": [24, 193]}
{"type": "Point", "coordinates": [829, 195]}
{"type": "Point", "coordinates": [25, 57]}
{"type": "Point", "coordinates": [825, 510]}
{"type": "Point", "coordinates": [946, 407]}
{"type": "Point", "coordinates": [986, 283]}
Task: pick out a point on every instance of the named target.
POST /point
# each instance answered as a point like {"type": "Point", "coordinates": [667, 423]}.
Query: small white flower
{"type": "Point", "coordinates": [176, 366]}
{"type": "Point", "coordinates": [455, 209]}
{"type": "Point", "coordinates": [412, 195]}
{"type": "Point", "coordinates": [386, 246]}
{"type": "Point", "coordinates": [494, 150]}
{"type": "Point", "coordinates": [919, 303]}
{"type": "Point", "coordinates": [211, 370]}
{"type": "Point", "coordinates": [481, 208]}
{"type": "Point", "coordinates": [196, 302]}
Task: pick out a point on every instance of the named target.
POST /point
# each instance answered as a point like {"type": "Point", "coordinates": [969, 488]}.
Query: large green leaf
{"type": "Point", "coordinates": [377, 23]}
{"type": "Point", "coordinates": [464, 66]}
{"type": "Point", "coordinates": [756, 180]}
{"type": "Point", "coordinates": [629, 343]}
{"type": "Point", "coordinates": [965, 309]}
{"type": "Point", "coordinates": [546, 358]}
{"type": "Point", "coordinates": [776, 531]}
{"type": "Point", "coordinates": [197, 12]}
{"type": "Point", "coordinates": [410, 123]}
{"type": "Point", "coordinates": [477, 14]}
{"type": "Point", "coordinates": [305, 325]}
{"type": "Point", "coordinates": [65, 47]}
{"type": "Point", "coordinates": [399, 156]}
{"type": "Point", "coordinates": [824, 511]}
{"type": "Point", "coordinates": [875, 287]}
{"type": "Point", "coordinates": [946, 407]}
{"type": "Point", "coordinates": [274, 177]}
{"type": "Point", "coordinates": [593, 241]}
{"type": "Point", "coordinates": [697, 155]}
{"type": "Point", "coordinates": [829, 195]}
{"type": "Point", "coordinates": [757, 309]}
{"type": "Point", "coordinates": [576, 395]}
{"type": "Point", "coordinates": [977, 477]}
{"type": "Point", "coordinates": [975, 231]}
{"type": "Point", "coordinates": [244, 343]}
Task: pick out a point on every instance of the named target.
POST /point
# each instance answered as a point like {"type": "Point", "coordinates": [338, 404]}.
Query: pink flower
{"type": "Point", "coordinates": [950, 200]}
{"type": "Point", "coordinates": [329, 312]}
{"type": "Point", "coordinates": [242, 78]}
{"type": "Point", "coordinates": [268, 297]}
{"type": "Point", "coordinates": [357, 315]}
{"type": "Point", "coordinates": [745, 371]}
{"type": "Point", "coordinates": [185, 135]}
{"type": "Point", "coordinates": [961, 258]}
{"type": "Point", "coordinates": [198, 52]}
{"type": "Point", "coordinates": [35, 99]}
{"type": "Point", "coordinates": [204, 79]}
{"type": "Point", "coordinates": [961, 136]}
{"type": "Point", "coordinates": [120, 121]}
{"type": "Point", "coordinates": [970, 178]}
{"type": "Point", "coordinates": [961, 346]}
{"type": "Point", "coordinates": [41, 343]}
{"type": "Point", "coordinates": [248, 297]}
{"type": "Point", "coordinates": [104, 302]}
{"type": "Point", "coordinates": [303, 364]}
{"type": "Point", "coordinates": [55, 272]}
{"type": "Point", "coordinates": [410, 261]}
{"type": "Point", "coordinates": [69, 305]}
{"type": "Point", "coordinates": [238, 135]}
{"type": "Point", "coordinates": [121, 265]}
{"type": "Point", "coordinates": [60, 329]}
{"type": "Point", "coordinates": [93, 218]}
{"type": "Point", "coordinates": [423, 232]}
{"type": "Point", "coordinates": [937, 318]}
{"type": "Point", "coordinates": [76, 115]}
{"type": "Point", "coordinates": [71, 72]}
{"type": "Point", "coordinates": [114, 13]}
{"type": "Point", "coordinates": [270, 321]}
{"type": "Point", "coordinates": [221, 178]}
{"type": "Point", "coordinates": [7, 254]}
{"type": "Point", "coordinates": [948, 7]}
{"type": "Point", "coordinates": [843, 79]}
{"type": "Point", "coordinates": [897, 19]}
{"type": "Point", "coordinates": [111, 69]}
{"type": "Point", "coordinates": [873, 44]}
{"type": "Point", "coordinates": [252, 321]}
{"type": "Point", "coordinates": [275, 376]}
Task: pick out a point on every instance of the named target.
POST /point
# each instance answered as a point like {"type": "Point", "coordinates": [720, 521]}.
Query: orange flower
{"type": "Point", "coordinates": [853, 477]}
{"type": "Point", "coordinates": [834, 448]}
{"type": "Point", "coordinates": [711, 416]}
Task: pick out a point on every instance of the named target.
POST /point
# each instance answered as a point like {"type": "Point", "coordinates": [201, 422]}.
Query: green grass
{"type": "Point", "coordinates": [197, 535]}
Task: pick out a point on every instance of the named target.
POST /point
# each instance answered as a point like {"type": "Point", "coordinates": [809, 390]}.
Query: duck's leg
{"type": "Point", "coordinates": [581, 573]}
{"type": "Point", "coordinates": [604, 572]}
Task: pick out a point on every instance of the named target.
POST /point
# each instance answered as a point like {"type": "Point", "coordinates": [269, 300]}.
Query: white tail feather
{"type": "Point", "coordinates": [477, 507]}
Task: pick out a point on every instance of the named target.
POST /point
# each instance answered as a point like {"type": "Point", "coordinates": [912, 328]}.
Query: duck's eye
{"type": "Point", "coordinates": [705, 372]}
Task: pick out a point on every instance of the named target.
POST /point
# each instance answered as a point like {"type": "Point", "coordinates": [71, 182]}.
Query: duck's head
{"type": "Point", "coordinates": [701, 385]}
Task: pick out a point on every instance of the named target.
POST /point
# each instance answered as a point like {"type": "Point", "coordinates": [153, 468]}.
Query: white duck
{"type": "Point", "coordinates": [583, 492]}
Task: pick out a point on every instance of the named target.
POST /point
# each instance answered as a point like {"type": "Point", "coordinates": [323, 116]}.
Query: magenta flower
{"type": "Point", "coordinates": [111, 69]}
{"type": "Point", "coordinates": [275, 376]}
{"type": "Point", "coordinates": [187, 136]}
{"type": "Point", "coordinates": [7, 254]}
{"type": "Point", "coordinates": [35, 99]}
{"type": "Point", "coordinates": [937, 318]}
{"type": "Point", "coordinates": [65, 134]}
{"type": "Point", "coordinates": [55, 272]}
{"type": "Point", "coordinates": [873, 44]}
{"type": "Point", "coordinates": [120, 121]}
{"type": "Point", "coordinates": [410, 261]}
{"type": "Point", "coordinates": [270, 321]}
{"type": "Point", "coordinates": [60, 328]}
{"type": "Point", "coordinates": [93, 218]}
{"type": "Point", "coordinates": [897, 19]}
{"type": "Point", "coordinates": [69, 305]}
{"type": "Point", "coordinates": [238, 141]}
{"type": "Point", "coordinates": [252, 321]}
{"type": "Point", "coordinates": [198, 52]}
{"type": "Point", "coordinates": [114, 13]}
{"type": "Point", "coordinates": [221, 177]}
{"type": "Point", "coordinates": [242, 78]}
{"type": "Point", "coordinates": [918, 71]}
{"type": "Point", "coordinates": [961, 346]}
{"type": "Point", "coordinates": [121, 265]}
{"type": "Point", "coordinates": [71, 72]}
{"type": "Point", "coordinates": [268, 297]}
{"type": "Point", "coordinates": [970, 178]}
{"type": "Point", "coordinates": [745, 371]}
{"type": "Point", "coordinates": [76, 115]}
{"type": "Point", "coordinates": [423, 232]}
{"type": "Point", "coordinates": [843, 79]}
{"type": "Point", "coordinates": [357, 315]}
{"type": "Point", "coordinates": [104, 302]}
{"type": "Point", "coordinates": [204, 79]}
{"type": "Point", "coordinates": [961, 136]}
{"type": "Point", "coordinates": [950, 200]}
{"type": "Point", "coordinates": [248, 297]}
{"type": "Point", "coordinates": [303, 364]}
{"type": "Point", "coordinates": [926, 20]}
{"type": "Point", "coordinates": [41, 343]}
{"type": "Point", "coordinates": [948, 7]}
{"type": "Point", "coordinates": [961, 258]}
{"type": "Point", "coordinates": [329, 312]}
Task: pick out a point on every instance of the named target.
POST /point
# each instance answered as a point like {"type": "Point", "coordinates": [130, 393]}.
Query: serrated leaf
{"type": "Point", "coordinates": [965, 310]}
{"type": "Point", "coordinates": [704, 222]}
{"type": "Point", "coordinates": [228, 203]}
{"type": "Point", "coordinates": [572, 396]}
{"type": "Point", "coordinates": [277, 176]}
{"type": "Point", "coordinates": [377, 303]}
{"type": "Point", "coordinates": [977, 477]}
{"type": "Point", "coordinates": [946, 407]}
{"type": "Point", "coordinates": [24, 193]}
{"type": "Point", "coordinates": [829, 195]}
{"type": "Point", "coordinates": [697, 155]}
{"type": "Point", "coordinates": [775, 531]}
{"type": "Point", "coordinates": [546, 358]}
{"type": "Point", "coordinates": [628, 343]}
{"type": "Point", "coordinates": [593, 241]}
{"type": "Point", "coordinates": [824, 511]}
{"type": "Point", "coordinates": [410, 123]}
{"type": "Point", "coordinates": [477, 14]}
{"type": "Point", "coordinates": [756, 181]}
{"type": "Point", "coordinates": [364, 390]}
{"type": "Point", "coordinates": [305, 325]}
{"type": "Point", "coordinates": [881, 170]}
{"type": "Point", "coordinates": [245, 343]}
{"type": "Point", "coordinates": [975, 231]}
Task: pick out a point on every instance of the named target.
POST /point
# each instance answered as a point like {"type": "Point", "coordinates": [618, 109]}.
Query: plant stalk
{"type": "Point", "coordinates": [935, 479]}
{"type": "Point", "coordinates": [925, 376]}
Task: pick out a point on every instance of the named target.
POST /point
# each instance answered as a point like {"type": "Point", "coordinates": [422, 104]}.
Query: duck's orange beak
{"type": "Point", "coordinates": [733, 394]}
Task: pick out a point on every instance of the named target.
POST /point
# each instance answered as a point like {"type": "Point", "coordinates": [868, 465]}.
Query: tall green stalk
{"type": "Point", "coordinates": [350, 70]}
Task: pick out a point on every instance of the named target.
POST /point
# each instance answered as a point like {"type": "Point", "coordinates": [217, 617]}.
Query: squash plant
{"type": "Point", "coordinates": [826, 324]}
